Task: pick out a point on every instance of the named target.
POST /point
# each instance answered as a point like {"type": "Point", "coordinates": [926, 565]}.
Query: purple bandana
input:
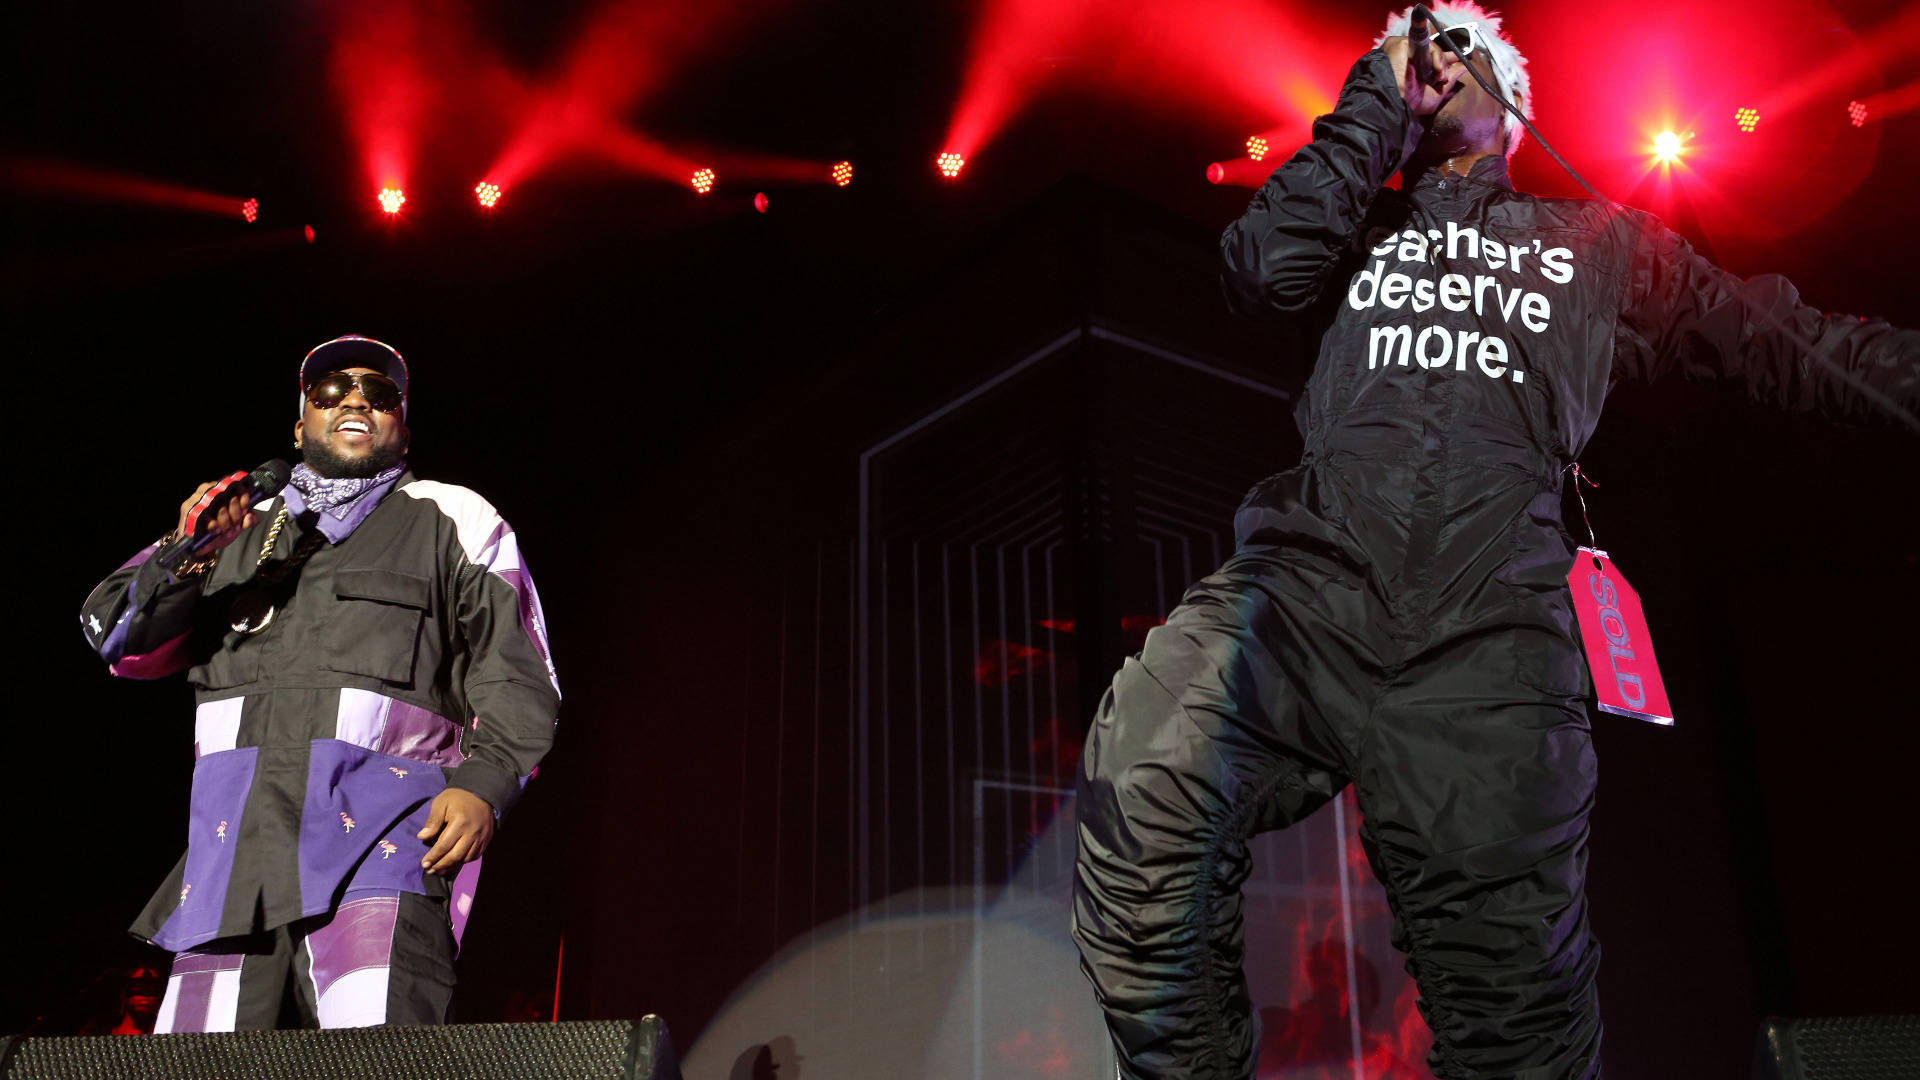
{"type": "Point", "coordinates": [340, 502]}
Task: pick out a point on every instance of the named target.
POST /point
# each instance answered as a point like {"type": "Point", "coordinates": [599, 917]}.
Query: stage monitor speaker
{"type": "Point", "coordinates": [1839, 1048]}
{"type": "Point", "coordinates": [576, 1050]}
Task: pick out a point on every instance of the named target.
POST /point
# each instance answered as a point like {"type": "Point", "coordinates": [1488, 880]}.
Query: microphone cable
{"type": "Point", "coordinates": [1812, 351]}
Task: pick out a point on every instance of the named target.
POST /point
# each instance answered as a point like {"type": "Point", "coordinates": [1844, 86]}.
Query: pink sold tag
{"type": "Point", "coordinates": [1619, 648]}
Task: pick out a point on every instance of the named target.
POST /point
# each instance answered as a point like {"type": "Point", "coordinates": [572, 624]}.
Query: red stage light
{"type": "Point", "coordinates": [1857, 113]}
{"type": "Point", "coordinates": [1747, 119]}
{"type": "Point", "coordinates": [1256, 148]}
{"type": "Point", "coordinates": [309, 234]}
{"type": "Point", "coordinates": [843, 173]}
{"type": "Point", "coordinates": [1216, 172]}
{"type": "Point", "coordinates": [487, 193]}
{"type": "Point", "coordinates": [760, 202]}
{"type": "Point", "coordinates": [950, 164]}
{"type": "Point", "coordinates": [1667, 147]}
{"type": "Point", "coordinates": [250, 210]}
{"type": "Point", "coordinates": [702, 180]}
{"type": "Point", "coordinates": [392, 199]}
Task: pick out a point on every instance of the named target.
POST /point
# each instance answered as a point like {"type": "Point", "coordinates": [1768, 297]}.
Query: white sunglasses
{"type": "Point", "coordinates": [1462, 40]}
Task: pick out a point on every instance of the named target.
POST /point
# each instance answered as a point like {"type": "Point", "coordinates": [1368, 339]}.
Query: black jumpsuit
{"type": "Point", "coordinates": [1396, 613]}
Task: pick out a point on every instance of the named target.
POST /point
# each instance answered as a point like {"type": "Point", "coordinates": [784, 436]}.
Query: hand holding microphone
{"type": "Point", "coordinates": [1429, 76]}
{"type": "Point", "coordinates": [217, 513]}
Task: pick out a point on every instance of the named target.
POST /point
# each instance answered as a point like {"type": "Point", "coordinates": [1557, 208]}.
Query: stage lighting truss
{"type": "Point", "coordinates": [250, 210]}
{"type": "Point", "coordinates": [842, 173]}
{"type": "Point", "coordinates": [950, 164]}
{"type": "Point", "coordinates": [1747, 119]}
{"type": "Point", "coordinates": [1257, 147]}
{"type": "Point", "coordinates": [487, 194]}
{"type": "Point", "coordinates": [1857, 112]}
{"type": "Point", "coordinates": [702, 180]}
{"type": "Point", "coordinates": [392, 199]}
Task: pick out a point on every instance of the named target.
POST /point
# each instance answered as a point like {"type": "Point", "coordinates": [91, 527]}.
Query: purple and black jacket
{"type": "Point", "coordinates": [407, 655]}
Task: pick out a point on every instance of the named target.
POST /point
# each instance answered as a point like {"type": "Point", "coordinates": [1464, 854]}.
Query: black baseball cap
{"type": "Point", "coordinates": [350, 351]}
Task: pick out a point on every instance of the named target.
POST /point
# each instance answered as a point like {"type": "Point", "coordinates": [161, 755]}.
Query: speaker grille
{"type": "Point", "coordinates": [1843, 1048]}
{"type": "Point", "coordinates": [584, 1050]}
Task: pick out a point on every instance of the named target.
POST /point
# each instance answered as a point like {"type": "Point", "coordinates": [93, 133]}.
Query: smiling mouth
{"type": "Point", "coordinates": [354, 427]}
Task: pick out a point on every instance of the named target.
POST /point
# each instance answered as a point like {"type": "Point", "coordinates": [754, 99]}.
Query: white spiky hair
{"type": "Point", "coordinates": [1509, 67]}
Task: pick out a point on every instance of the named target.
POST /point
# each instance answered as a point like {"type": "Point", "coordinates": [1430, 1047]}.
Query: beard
{"type": "Point", "coordinates": [334, 466]}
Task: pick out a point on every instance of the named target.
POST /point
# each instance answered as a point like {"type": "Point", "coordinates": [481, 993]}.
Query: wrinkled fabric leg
{"type": "Point", "coordinates": [1475, 795]}
{"type": "Point", "coordinates": [1196, 746]}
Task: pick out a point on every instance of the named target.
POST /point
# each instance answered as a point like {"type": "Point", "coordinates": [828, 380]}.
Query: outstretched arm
{"type": "Point", "coordinates": [1684, 313]}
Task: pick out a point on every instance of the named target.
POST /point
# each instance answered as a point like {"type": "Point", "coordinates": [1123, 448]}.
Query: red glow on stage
{"type": "Point", "coordinates": [309, 234]}
{"type": "Point", "coordinates": [1239, 172]}
{"type": "Point", "coordinates": [1256, 148]}
{"type": "Point", "coordinates": [760, 202]}
{"type": "Point", "coordinates": [388, 65]}
{"type": "Point", "coordinates": [625, 51]}
{"type": "Point", "coordinates": [950, 164]}
{"type": "Point", "coordinates": [1002, 661]}
{"type": "Point", "coordinates": [392, 199]}
{"type": "Point", "coordinates": [1255, 59]}
{"type": "Point", "coordinates": [1881, 106]}
{"type": "Point", "coordinates": [250, 210]}
{"type": "Point", "coordinates": [1845, 62]}
{"type": "Point", "coordinates": [49, 178]}
{"type": "Point", "coordinates": [487, 194]}
{"type": "Point", "coordinates": [1746, 119]}
{"type": "Point", "coordinates": [702, 180]}
{"type": "Point", "coordinates": [842, 173]}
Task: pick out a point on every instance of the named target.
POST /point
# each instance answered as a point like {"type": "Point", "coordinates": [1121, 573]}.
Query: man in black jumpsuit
{"type": "Point", "coordinates": [1396, 613]}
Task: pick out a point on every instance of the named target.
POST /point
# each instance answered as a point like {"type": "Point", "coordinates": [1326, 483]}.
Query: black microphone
{"type": "Point", "coordinates": [1418, 38]}
{"type": "Point", "coordinates": [262, 483]}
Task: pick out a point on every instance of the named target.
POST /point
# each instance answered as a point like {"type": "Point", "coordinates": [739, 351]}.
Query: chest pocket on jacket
{"type": "Point", "coordinates": [375, 629]}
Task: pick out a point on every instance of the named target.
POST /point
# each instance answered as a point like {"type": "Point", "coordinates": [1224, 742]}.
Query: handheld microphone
{"type": "Point", "coordinates": [1418, 38]}
{"type": "Point", "coordinates": [263, 482]}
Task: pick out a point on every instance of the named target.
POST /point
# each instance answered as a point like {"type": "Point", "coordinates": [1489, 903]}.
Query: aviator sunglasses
{"type": "Point", "coordinates": [329, 390]}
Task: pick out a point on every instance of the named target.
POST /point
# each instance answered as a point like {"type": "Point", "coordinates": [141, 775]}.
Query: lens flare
{"type": "Point", "coordinates": [842, 173]}
{"type": "Point", "coordinates": [702, 180]}
{"type": "Point", "coordinates": [487, 193]}
{"type": "Point", "coordinates": [950, 164]}
{"type": "Point", "coordinates": [392, 199]}
{"type": "Point", "coordinates": [1667, 146]}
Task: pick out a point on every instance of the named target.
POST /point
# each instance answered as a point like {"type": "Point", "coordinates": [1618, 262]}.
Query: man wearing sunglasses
{"type": "Point", "coordinates": [373, 689]}
{"type": "Point", "coordinates": [1396, 614]}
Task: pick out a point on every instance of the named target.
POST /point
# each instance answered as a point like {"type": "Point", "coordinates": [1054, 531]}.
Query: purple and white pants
{"type": "Point", "coordinates": [381, 957]}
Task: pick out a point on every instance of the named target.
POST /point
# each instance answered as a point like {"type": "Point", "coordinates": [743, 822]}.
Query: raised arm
{"type": "Point", "coordinates": [1684, 313]}
{"type": "Point", "coordinates": [139, 617]}
{"type": "Point", "coordinates": [1281, 252]}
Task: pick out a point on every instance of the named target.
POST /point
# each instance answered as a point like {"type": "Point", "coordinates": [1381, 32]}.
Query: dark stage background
{"type": "Point", "coordinates": [842, 515]}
